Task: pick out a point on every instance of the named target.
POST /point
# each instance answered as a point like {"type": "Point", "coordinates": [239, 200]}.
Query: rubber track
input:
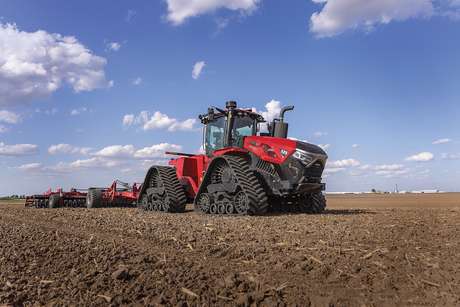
{"type": "Point", "coordinates": [246, 179]}
{"type": "Point", "coordinates": [173, 188]}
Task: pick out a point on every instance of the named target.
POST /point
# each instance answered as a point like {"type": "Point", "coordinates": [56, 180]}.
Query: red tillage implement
{"type": "Point", "coordinates": [54, 199]}
{"type": "Point", "coordinates": [119, 194]}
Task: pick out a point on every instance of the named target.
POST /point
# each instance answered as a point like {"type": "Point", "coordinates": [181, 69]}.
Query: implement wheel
{"type": "Point", "coordinates": [93, 198]}
{"type": "Point", "coordinates": [54, 201]}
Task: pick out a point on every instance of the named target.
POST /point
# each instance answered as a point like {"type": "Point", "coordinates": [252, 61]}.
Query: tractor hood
{"type": "Point", "coordinates": [314, 149]}
{"type": "Point", "coordinates": [310, 154]}
{"type": "Point", "coordinates": [278, 150]}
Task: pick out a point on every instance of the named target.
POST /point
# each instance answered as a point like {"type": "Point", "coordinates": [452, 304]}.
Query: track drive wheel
{"type": "Point", "coordinates": [94, 198]}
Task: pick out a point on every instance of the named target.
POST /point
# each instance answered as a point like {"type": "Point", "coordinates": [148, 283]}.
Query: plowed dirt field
{"type": "Point", "coordinates": [368, 250]}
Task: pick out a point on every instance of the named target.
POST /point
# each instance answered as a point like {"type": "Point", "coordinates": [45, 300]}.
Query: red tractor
{"type": "Point", "coordinates": [50, 199]}
{"type": "Point", "coordinates": [120, 194]}
{"type": "Point", "coordinates": [243, 170]}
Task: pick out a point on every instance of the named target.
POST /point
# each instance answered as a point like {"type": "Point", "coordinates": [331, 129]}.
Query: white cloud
{"type": "Point", "coordinates": [338, 166]}
{"type": "Point", "coordinates": [273, 109]}
{"type": "Point", "coordinates": [158, 121]}
{"type": "Point", "coordinates": [355, 146]}
{"type": "Point", "coordinates": [78, 111]}
{"type": "Point", "coordinates": [156, 151]}
{"type": "Point", "coordinates": [185, 125]}
{"type": "Point", "coordinates": [31, 167]}
{"type": "Point", "coordinates": [130, 152]}
{"type": "Point", "coordinates": [338, 16]}
{"type": "Point", "coordinates": [70, 167]}
{"type": "Point", "coordinates": [137, 81]}
{"type": "Point", "coordinates": [334, 170]}
{"type": "Point", "coordinates": [197, 69]}
{"type": "Point", "coordinates": [421, 157]}
{"type": "Point", "coordinates": [319, 134]}
{"type": "Point", "coordinates": [17, 149]}
{"type": "Point", "coordinates": [180, 10]}
{"type": "Point", "coordinates": [385, 170]}
{"type": "Point", "coordinates": [450, 156]}
{"type": "Point", "coordinates": [442, 141]}
{"type": "Point", "coordinates": [343, 163]}
{"type": "Point", "coordinates": [451, 9]}
{"type": "Point", "coordinates": [9, 117]}
{"type": "Point", "coordinates": [91, 163]}
{"type": "Point", "coordinates": [130, 15]}
{"type": "Point", "coordinates": [126, 156]}
{"type": "Point", "coordinates": [36, 64]}
{"type": "Point", "coordinates": [389, 167]}
{"type": "Point", "coordinates": [52, 111]}
{"type": "Point", "coordinates": [390, 170]}
{"type": "Point", "coordinates": [392, 173]}
{"type": "Point", "coordinates": [68, 149]}
{"type": "Point", "coordinates": [128, 119]}
{"type": "Point", "coordinates": [113, 46]}
{"type": "Point", "coordinates": [116, 151]}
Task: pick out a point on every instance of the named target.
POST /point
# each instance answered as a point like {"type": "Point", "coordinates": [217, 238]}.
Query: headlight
{"type": "Point", "coordinates": [305, 157]}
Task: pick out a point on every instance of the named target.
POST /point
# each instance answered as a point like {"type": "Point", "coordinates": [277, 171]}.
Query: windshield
{"type": "Point", "coordinates": [214, 135]}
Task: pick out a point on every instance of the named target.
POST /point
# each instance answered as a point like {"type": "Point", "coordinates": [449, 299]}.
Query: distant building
{"type": "Point", "coordinates": [426, 192]}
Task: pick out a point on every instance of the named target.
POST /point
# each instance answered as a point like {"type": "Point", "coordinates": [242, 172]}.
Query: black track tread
{"type": "Point", "coordinates": [314, 204]}
{"type": "Point", "coordinates": [248, 182]}
{"type": "Point", "coordinates": [173, 188]}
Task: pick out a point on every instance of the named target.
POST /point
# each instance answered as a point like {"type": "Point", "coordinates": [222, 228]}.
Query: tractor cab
{"type": "Point", "coordinates": [227, 128]}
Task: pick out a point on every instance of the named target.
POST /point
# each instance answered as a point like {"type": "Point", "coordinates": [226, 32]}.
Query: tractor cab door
{"type": "Point", "coordinates": [242, 126]}
{"type": "Point", "coordinates": [214, 135]}
{"type": "Point", "coordinates": [215, 132]}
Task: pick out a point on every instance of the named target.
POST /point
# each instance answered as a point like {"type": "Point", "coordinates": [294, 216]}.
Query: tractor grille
{"type": "Point", "coordinates": [314, 171]}
{"type": "Point", "coordinates": [266, 167]}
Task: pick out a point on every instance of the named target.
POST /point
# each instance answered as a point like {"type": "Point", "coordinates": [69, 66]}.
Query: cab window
{"type": "Point", "coordinates": [243, 126]}
{"type": "Point", "coordinates": [214, 135]}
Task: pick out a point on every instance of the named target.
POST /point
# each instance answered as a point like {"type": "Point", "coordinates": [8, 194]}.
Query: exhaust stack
{"type": "Point", "coordinates": [279, 127]}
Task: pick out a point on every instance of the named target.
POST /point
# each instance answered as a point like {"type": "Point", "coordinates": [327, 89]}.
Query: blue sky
{"type": "Point", "coordinates": [97, 90]}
